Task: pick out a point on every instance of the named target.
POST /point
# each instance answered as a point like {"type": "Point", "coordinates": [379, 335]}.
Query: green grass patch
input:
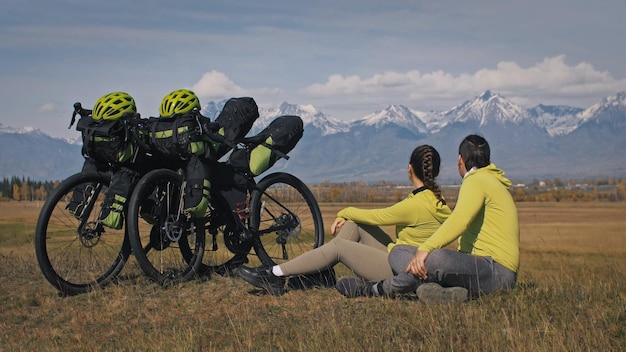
{"type": "Point", "coordinates": [566, 300]}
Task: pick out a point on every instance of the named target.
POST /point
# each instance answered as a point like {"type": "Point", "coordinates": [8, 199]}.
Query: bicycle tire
{"type": "Point", "coordinates": [285, 219]}
{"type": "Point", "coordinates": [160, 235]}
{"type": "Point", "coordinates": [76, 254]}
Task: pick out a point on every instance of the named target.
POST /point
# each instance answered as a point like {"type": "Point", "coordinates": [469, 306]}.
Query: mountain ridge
{"type": "Point", "coordinates": [526, 142]}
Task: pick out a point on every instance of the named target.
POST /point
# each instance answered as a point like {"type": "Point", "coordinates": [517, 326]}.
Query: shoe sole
{"type": "Point", "coordinates": [273, 290]}
{"type": "Point", "coordinates": [430, 293]}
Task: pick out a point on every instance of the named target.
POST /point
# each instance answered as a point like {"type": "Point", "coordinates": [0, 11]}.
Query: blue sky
{"type": "Point", "coordinates": [349, 58]}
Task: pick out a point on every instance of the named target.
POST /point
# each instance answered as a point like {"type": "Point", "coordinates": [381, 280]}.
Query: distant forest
{"type": "Point", "coordinates": [599, 190]}
{"type": "Point", "coordinates": [17, 188]}
{"type": "Point", "coordinates": [603, 190]}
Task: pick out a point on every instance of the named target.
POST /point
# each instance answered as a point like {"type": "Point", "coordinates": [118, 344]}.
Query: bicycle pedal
{"type": "Point", "coordinates": [242, 209]}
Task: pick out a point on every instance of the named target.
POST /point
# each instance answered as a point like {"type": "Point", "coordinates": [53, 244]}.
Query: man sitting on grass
{"type": "Point", "coordinates": [485, 222]}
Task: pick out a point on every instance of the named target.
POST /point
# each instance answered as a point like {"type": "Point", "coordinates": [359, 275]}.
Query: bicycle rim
{"type": "Point", "coordinates": [75, 252]}
{"type": "Point", "coordinates": [286, 218]}
{"type": "Point", "coordinates": [167, 245]}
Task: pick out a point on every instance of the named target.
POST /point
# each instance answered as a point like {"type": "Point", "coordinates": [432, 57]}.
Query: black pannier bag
{"type": "Point", "coordinates": [235, 121]}
{"type": "Point", "coordinates": [197, 187]}
{"type": "Point", "coordinates": [281, 136]}
{"type": "Point", "coordinates": [106, 142]}
{"type": "Point", "coordinates": [176, 138]}
{"type": "Point", "coordinates": [111, 213]}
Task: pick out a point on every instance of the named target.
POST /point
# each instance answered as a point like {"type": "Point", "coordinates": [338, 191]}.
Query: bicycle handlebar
{"type": "Point", "coordinates": [78, 110]}
{"type": "Point", "coordinates": [133, 119]}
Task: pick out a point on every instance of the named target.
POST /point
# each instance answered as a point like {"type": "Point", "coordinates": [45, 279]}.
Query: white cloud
{"type": "Point", "coordinates": [217, 85]}
{"type": "Point", "coordinates": [552, 77]}
{"type": "Point", "coordinates": [49, 107]}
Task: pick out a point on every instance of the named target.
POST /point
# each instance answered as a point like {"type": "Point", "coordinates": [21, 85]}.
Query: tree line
{"type": "Point", "coordinates": [586, 190]}
{"type": "Point", "coordinates": [603, 190]}
{"type": "Point", "coordinates": [16, 188]}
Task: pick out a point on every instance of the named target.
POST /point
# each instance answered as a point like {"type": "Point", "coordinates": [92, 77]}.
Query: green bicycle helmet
{"type": "Point", "coordinates": [179, 102]}
{"type": "Point", "coordinates": [113, 106]}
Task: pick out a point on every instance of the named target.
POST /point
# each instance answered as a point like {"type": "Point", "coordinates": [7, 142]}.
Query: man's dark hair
{"type": "Point", "coordinates": [475, 151]}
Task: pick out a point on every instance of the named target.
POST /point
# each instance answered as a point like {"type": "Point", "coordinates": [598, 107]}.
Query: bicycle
{"type": "Point", "coordinates": [278, 220]}
{"type": "Point", "coordinates": [75, 252]}
{"type": "Point", "coordinates": [71, 250]}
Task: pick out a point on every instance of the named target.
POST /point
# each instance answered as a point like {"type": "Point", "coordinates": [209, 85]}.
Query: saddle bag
{"type": "Point", "coordinates": [235, 121]}
{"type": "Point", "coordinates": [281, 136]}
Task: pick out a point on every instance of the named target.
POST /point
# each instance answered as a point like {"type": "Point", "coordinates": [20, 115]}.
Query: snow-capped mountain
{"type": "Point", "coordinates": [543, 141]}
{"type": "Point", "coordinates": [489, 106]}
{"type": "Point", "coordinates": [35, 132]}
{"type": "Point", "coordinates": [609, 106]}
{"type": "Point", "coordinates": [23, 130]}
{"type": "Point", "coordinates": [485, 108]}
{"type": "Point", "coordinates": [557, 120]}
{"type": "Point", "coordinates": [395, 114]}
{"type": "Point", "coordinates": [31, 153]}
{"type": "Point", "coordinates": [310, 115]}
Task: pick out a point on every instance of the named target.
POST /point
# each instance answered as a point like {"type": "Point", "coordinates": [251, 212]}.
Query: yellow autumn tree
{"type": "Point", "coordinates": [16, 191]}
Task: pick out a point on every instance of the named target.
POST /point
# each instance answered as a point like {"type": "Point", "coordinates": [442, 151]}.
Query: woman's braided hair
{"type": "Point", "coordinates": [425, 161]}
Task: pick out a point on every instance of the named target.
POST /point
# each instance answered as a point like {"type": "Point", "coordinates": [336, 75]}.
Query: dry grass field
{"type": "Point", "coordinates": [571, 296]}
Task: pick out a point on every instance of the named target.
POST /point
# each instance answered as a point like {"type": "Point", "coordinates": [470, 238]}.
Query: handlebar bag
{"type": "Point", "coordinates": [107, 142]}
{"type": "Point", "coordinates": [176, 138]}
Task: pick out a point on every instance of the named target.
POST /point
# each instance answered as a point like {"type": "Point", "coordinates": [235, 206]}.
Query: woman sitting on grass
{"type": "Point", "coordinates": [486, 224]}
{"type": "Point", "coordinates": [363, 246]}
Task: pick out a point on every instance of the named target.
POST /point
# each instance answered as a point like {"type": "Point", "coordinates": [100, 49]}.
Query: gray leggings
{"type": "Point", "coordinates": [452, 268]}
{"type": "Point", "coordinates": [362, 248]}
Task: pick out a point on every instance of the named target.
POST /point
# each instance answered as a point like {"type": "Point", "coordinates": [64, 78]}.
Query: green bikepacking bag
{"type": "Point", "coordinates": [281, 136]}
{"type": "Point", "coordinates": [197, 187]}
{"type": "Point", "coordinates": [235, 121]}
{"type": "Point", "coordinates": [106, 142]}
{"type": "Point", "coordinates": [176, 138]}
{"type": "Point", "coordinates": [116, 197]}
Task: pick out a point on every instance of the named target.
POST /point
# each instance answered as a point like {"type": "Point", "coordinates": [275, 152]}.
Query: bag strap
{"type": "Point", "coordinates": [175, 137]}
{"type": "Point", "coordinates": [88, 135]}
{"type": "Point", "coordinates": [153, 129]}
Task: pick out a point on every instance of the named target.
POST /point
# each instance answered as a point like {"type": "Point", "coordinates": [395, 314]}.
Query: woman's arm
{"type": "Point", "coordinates": [401, 213]}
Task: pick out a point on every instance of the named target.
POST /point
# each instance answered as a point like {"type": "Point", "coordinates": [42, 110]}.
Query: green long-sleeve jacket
{"type": "Point", "coordinates": [416, 217]}
{"type": "Point", "coordinates": [485, 217]}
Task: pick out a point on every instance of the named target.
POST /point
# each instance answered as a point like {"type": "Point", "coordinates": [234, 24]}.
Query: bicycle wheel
{"type": "Point", "coordinates": [75, 252]}
{"type": "Point", "coordinates": [167, 244]}
{"type": "Point", "coordinates": [286, 217]}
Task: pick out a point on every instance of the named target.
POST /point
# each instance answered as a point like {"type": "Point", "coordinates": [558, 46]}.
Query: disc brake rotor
{"type": "Point", "coordinates": [90, 234]}
{"type": "Point", "coordinates": [292, 227]}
